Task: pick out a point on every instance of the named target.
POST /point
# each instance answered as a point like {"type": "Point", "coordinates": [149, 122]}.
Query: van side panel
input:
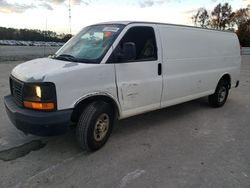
{"type": "Point", "coordinates": [194, 60]}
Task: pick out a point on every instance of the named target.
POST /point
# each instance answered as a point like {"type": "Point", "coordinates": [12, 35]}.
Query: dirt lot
{"type": "Point", "coordinates": [187, 145]}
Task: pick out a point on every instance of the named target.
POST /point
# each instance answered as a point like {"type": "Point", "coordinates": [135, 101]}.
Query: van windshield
{"type": "Point", "coordinates": [90, 45]}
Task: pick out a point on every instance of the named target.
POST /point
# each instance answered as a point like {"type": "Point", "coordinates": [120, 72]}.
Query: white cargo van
{"type": "Point", "coordinates": [120, 69]}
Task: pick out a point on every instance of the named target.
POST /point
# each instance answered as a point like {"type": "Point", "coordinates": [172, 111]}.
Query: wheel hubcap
{"type": "Point", "coordinates": [222, 94]}
{"type": "Point", "coordinates": [101, 127]}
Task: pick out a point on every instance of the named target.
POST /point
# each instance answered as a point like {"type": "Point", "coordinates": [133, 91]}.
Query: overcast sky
{"type": "Point", "coordinates": [34, 14]}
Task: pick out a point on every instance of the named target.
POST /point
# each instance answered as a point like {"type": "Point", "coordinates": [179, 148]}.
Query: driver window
{"type": "Point", "coordinates": [145, 44]}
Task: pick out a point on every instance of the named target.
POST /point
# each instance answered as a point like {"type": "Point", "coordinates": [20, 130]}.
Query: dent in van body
{"type": "Point", "coordinates": [129, 93]}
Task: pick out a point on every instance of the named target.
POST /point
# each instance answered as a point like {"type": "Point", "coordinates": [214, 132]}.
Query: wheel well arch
{"type": "Point", "coordinates": [226, 77]}
{"type": "Point", "coordinates": [83, 102]}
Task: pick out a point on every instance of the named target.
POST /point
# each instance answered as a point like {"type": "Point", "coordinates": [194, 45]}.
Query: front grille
{"type": "Point", "coordinates": [16, 88]}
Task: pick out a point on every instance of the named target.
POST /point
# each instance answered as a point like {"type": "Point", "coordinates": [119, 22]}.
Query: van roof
{"type": "Point", "coordinates": [159, 23]}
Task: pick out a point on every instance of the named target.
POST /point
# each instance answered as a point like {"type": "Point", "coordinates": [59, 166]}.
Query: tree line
{"type": "Point", "coordinates": [222, 17]}
{"type": "Point", "coordinates": [32, 35]}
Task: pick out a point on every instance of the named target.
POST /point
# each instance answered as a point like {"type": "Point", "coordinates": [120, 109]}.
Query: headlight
{"type": "Point", "coordinates": [40, 96]}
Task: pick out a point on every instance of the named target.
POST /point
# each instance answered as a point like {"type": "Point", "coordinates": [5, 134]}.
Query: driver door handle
{"type": "Point", "coordinates": [159, 69]}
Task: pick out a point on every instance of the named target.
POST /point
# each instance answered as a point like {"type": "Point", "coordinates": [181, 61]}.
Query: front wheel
{"type": "Point", "coordinates": [219, 98]}
{"type": "Point", "coordinates": [95, 125]}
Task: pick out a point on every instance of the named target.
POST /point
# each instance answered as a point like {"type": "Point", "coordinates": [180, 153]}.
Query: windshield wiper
{"type": "Point", "coordinates": [66, 57]}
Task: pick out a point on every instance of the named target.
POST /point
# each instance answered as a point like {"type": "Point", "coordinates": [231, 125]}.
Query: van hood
{"type": "Point", "coordinates": [38, 70]}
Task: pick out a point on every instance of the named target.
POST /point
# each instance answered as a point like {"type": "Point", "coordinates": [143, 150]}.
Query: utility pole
{"type": "Point", "coordinates": [70, 16]}
{"type": "Point", "coordinates": [45, 35]}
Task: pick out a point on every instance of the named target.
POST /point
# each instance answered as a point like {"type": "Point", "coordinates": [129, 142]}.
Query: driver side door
{"type": "Point", "coordinates": [138, 80]}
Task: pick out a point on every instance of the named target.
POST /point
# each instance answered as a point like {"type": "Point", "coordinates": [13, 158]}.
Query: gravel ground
{"type": "Point", "coordinates": [187, 145]}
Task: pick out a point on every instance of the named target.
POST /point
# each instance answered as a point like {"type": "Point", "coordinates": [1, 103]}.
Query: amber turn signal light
{"type": "Point", "coordinates": [39, 105]}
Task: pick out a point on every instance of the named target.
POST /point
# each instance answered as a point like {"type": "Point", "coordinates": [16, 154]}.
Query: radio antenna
{"type": "Point", "coordinates": [70, 16]}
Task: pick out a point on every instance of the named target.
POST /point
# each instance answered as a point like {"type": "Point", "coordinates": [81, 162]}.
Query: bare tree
{"type": "Point", "coordinates": [244, 33]}
{"type": "Point", "coordinates": [241, 16]}
{"type": "Point", "coordinates": [221, 16]}
{"type": "Point", "coordinates": [201, 18]}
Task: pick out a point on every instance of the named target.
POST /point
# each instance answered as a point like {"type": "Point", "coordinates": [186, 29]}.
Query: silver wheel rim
{"type": "Point", "coordinates": [222, 94]}
{"type": "Point", "coordinates": [101, 127]}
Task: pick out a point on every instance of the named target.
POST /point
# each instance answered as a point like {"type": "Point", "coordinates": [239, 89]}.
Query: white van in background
{"type": "Point", "coordinates": [120, 69]}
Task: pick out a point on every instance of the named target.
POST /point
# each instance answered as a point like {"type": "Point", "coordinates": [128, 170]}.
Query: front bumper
{"type": "Point", "coordinates": [37, 122]}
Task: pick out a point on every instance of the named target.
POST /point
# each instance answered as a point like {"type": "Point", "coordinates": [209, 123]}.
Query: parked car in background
{"type": "Point", "coordinates": [29, 43]}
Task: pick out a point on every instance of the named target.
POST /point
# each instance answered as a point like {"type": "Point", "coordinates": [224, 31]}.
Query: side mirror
{"type": "Point", "coordinates": [129, 51]}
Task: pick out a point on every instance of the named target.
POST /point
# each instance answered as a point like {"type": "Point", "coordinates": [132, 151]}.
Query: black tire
{"type": "Point", "coordinates": [219, 98]}
{"type": "Point", "coordinates": [88, 131]}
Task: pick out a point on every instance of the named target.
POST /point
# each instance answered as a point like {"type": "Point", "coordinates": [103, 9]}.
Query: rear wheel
{"type": "Point", "coordinates": [95, 125]}
{"type": "Point", "coordinates": [219, 98]}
